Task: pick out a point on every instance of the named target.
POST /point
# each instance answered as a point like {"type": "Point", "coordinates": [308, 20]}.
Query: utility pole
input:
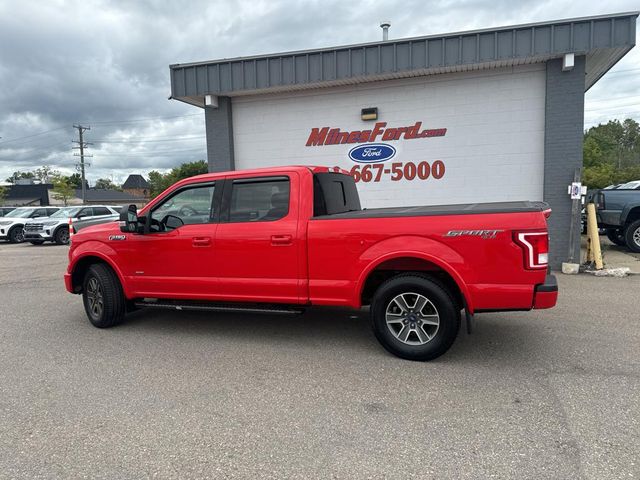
{"type": "Point", "coordinates": [81, 146]}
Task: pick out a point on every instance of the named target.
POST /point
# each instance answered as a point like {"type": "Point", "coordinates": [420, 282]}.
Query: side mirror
{"type": "Point", "coordinates": [129, 219]}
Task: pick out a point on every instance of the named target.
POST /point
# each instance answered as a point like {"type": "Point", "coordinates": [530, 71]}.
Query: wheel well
{"type": "Point", "coordinates": [80, 270]}
{"type": "Point", "coordinates": [391, 268]}
{"type": "Point", "coordinates": [634, 214]}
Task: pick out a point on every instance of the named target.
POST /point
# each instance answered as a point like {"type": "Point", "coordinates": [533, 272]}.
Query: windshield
{"type": "Point", "coordinates": [21, 213]}
{"type": "Point", "coordinates": [66, 212]}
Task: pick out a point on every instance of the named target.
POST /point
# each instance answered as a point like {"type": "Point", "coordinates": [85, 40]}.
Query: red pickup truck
{"type": "Point", "coordinates": [281, 239]}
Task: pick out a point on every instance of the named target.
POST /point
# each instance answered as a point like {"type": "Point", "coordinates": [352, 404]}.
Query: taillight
{"type": "Point", "coordinates": [600, 201]}
{"type": "Point", "coordinates": [535, 246]}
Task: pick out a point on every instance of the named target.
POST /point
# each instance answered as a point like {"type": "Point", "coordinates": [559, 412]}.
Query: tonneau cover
{"type": "Point", "coordinates": [431, 210]}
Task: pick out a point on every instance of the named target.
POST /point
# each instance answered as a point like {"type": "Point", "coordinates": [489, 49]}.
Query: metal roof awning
{"type": "Point", "coordinates": [604, 40]}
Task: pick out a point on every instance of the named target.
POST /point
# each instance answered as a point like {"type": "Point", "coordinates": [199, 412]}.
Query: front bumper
{"type": "Point", "coordinates": [67, 283]}
{"type": "Point", "coordinates": [36, 236]}
{"type": "Point", "coordinates": [546, 294]}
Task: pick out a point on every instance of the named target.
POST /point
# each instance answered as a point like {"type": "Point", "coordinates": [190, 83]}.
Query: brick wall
{"type": "Point", "coordinates": [564, 126]}
{"type": "Point", "coordinates": [219, 131]}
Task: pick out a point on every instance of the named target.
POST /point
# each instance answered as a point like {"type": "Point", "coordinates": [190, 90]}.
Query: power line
{"type": "Point", "coordinates": [611, 99]}
{"type": "Point", "coordinates": [623, 71]}
{"type": "Point", "coordinates": [199, 137]}
{"type": "Point", "coordinates": [143, 119]}
{"type": "Point", "coordinates": [106, 123]}
{"type": "Point", "coordinates": [151, 154]}
{"type": "Point", "coordinates": [32, 135]}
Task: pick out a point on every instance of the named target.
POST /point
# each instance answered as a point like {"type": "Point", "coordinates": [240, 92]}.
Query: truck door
{"type": "Point", "coordinates": [260, 251]}
{"type": "Point", "coordinates": [177, 257]}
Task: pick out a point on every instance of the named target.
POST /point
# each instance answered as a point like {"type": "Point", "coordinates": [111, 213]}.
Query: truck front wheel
{"type": "Point", "coordinates": [102, 296]}
{"type": "Point", "coordinates": [414, 317]}
{"type": "Point", "coordinates": [632, 236]}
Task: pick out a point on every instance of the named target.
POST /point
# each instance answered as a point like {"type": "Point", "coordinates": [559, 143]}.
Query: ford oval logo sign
{"type": "Point", "coordinates": [372, 153]}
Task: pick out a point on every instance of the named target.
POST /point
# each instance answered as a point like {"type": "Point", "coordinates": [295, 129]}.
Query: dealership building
{"type": "Point", "coordinates": [478, 116]}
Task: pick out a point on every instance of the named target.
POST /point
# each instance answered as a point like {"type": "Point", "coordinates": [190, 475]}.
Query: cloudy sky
{"type": "Point", "coordinates": [104, 64]}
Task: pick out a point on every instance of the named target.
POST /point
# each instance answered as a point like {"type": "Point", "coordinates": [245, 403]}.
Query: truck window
{"type": "Point", "coordinates": [334, 193]}
{"type": "Point", "coordinates": [259, 200]}
{"type": "Point", "coordinates": [191, 205]}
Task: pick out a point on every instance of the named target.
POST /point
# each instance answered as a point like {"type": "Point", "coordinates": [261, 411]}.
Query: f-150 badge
{"type": "Point", "coordinates": [484, 234]}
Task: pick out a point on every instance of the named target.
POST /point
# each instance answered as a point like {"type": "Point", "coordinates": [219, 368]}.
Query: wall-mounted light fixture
{"type": "Point", "coordinates": [369, 113]}
{"type": "Point", "coordinates": [568, 62]}
{"type": "Point", "coordinates": [211, 101]}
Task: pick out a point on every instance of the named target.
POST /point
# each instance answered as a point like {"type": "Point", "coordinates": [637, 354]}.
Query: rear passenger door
{"type": "Point", "coordinates": [258, 245]}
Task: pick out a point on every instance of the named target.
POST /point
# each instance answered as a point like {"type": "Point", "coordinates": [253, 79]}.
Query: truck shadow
{"type": "Point", "coordinates": [497, 338]}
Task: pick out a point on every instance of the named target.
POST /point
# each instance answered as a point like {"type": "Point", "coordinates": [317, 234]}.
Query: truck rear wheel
{"type": "Point", "coordinates": [102, 296]}
{"type": "Point", "coordinates": [632, 236]}
{"type": "Point", "coordinates": [414, 317]}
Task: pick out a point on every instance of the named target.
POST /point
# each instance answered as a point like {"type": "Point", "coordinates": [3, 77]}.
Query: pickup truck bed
{"type": "Point", "coordinates": [430, 210]}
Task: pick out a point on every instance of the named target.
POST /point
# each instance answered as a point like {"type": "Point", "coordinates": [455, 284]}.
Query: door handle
{"type": "Point", "coordinates": [201, 241]}
{"type": "Point", "coordinates": [281, 239]}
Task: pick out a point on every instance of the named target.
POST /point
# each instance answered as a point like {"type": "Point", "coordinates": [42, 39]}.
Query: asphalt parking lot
{"type": "Point", "coordinates": [546, 394]}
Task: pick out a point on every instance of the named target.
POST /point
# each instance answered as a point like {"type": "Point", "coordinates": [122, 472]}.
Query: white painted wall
{"type": "Point", "coordinates": [493, 149]}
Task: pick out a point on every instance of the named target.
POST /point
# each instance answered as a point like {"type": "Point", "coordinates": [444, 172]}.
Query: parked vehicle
{"type": "Point", "coordinates": [4, 211]}
{"type": "Point", "coordinates": [618, 211]}
{"type": "Point", "coordinates": [635, 185]}
{"type": "Point", "coordinates": [12, 226]}
{"type": "Point", "coordinates": [56, 227]}
{"type": "Point", "coordinates": [95, 219]}
{"type": "Point", "coordinates": [280, 239]}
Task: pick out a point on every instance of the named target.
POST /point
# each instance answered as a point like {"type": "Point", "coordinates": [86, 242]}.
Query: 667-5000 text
{"type": "Point", "coordinates": [398, 171]}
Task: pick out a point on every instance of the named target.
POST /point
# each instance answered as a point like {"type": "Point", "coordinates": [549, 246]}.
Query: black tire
{"type": "Point", "coordinates": [632, 236]}
{"type": "Point", "coordinates": [440, 299]}
{"type": "Point", "coordinates": [36, 242]}
{"type": "Point", "coordinates": [61, 237]}
{"type": "Point", "coordinates": [16, 234]}
{"type": "Point", "coordinates": [101, 283]}
{"type": "Point", "coordinates": [616, 236]}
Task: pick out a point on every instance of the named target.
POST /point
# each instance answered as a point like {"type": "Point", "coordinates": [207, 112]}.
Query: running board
{"type": "Point", "coordinates": [220, 307]}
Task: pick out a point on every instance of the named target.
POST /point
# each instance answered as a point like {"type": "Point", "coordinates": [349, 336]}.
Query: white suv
{"type": "Point", "coordinates": [56, 227]}
{"type": "Point", "coordinates": [12, 226]}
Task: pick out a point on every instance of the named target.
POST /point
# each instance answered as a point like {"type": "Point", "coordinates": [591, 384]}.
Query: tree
{"type": "Point", "coordinates": [45, 173]}
{"type": "Point", "coordinates": [160, 182]}
{"type": "Point", "coordinates": [107, 184]}
{"type": "Point", "coordinates": [18, 175]}
{"type": "Point", "coordinates": [4, 191]}
{"type": "Point", "coordinates": [611, 153]}
{"type": "Point", "coordinates": [62, 188]}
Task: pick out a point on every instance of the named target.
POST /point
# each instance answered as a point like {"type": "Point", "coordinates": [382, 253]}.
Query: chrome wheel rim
{"type": "Point", "coordinates": [64, 236]}
{"type": "Point", "coordinates": [95, 297]}
{"type": "Point", "coordinates": [412, 318]}
{"type": "Point", "coordinates": [636, 236]}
